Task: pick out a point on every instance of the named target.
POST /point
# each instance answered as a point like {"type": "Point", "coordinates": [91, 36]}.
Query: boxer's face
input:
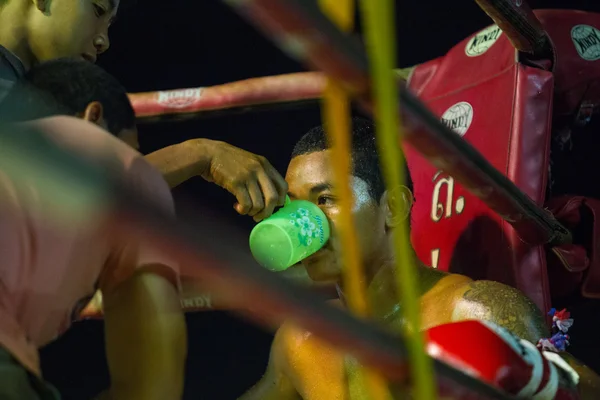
{"type": "Point", "coordinates": [310, 177]}
{"type": "Point", "coordinates": [71, 28]}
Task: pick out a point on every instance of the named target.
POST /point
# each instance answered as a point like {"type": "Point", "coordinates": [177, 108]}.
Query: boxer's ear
{"type": "Point", "coordinates": [94, 113]}
{"type": "Point", "coordinates": [396, 204]}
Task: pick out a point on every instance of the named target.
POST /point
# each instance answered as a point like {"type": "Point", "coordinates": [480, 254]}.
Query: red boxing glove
{"type": "Point", "coordinates": [497, 357]}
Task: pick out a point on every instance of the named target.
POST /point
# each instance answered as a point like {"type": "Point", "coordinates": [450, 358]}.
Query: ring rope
{"type": "Point", "coordinates": [270, 92]}
{"type": "Point", "coordinates": [378, 17]}
{"type": "Point", "coordinates": [336, 115]}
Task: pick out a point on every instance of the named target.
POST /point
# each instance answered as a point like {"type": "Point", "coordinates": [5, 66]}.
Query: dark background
{"type": "Point", "coordinates": [177, 44]}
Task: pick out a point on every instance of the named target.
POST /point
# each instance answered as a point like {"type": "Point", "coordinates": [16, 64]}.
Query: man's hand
{"type": "Point", "coordinates": [255, 183]}
{"type": "Point", "coordinates": [257, 186]}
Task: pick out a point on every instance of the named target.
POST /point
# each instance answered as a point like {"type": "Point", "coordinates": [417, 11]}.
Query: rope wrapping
{"type": "Point", "coordinates": [250, 92]}
{"type": "Point", "coordinates": [269, 92]}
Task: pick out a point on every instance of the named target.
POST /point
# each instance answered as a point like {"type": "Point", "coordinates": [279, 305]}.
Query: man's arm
{"type": "Point", "coordinates": [589, 381]}
{"type": "Point", "coordinates": [257, 186]}
{"type": "Point", "coordinates": [509, 308]}
{"type": "Point", "coordinates": [274, 385]}
{"type": "Point", "coordinates": [181, 162]}
{"type": "Point", "coordinates": [146, 341]}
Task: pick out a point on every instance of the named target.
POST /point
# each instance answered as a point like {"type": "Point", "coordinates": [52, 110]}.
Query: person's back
{"type": "Point", "coordinates": [49, 269]}
{"type": "Point", "coordinates": [46, 269]}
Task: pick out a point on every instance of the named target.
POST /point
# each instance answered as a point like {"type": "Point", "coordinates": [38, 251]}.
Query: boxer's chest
{"type": "Point", "coordinates": [315, 368]}
{"type": "Point", "coordinates": [320, 372]}
{"type": "Point", "coordinates": [333, 377]}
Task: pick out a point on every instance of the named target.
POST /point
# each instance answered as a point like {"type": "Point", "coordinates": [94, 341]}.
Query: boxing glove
{"type": "Point", "coordinates": [497, 357]}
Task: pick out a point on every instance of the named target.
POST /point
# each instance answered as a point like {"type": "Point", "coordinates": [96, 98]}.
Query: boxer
{"type": "Point", "coordinates": [301, 365]}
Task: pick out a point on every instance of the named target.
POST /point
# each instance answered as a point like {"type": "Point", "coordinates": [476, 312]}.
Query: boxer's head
{"type": "Point", "coordinates": [77, 88]}
{"type": "Point", "coordinates": [310, 177]}
{"type": "Point", "coordinates": [59, 28]}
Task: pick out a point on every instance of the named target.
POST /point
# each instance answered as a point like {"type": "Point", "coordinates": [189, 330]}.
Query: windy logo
{"type": "Point", "coordinates": [482, 41]}
{"type": "Point", "coordinates": [586, 40]}
{"type": "Point", "coordinates": [320, 224]}
{"type": "Point", "coordinates": [458, 117]}
{"type": "Point", "coordinates": [179, 98]}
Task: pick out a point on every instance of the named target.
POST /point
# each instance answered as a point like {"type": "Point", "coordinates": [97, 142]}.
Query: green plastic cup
{"type": "Point", "coordinates": [294, 232]}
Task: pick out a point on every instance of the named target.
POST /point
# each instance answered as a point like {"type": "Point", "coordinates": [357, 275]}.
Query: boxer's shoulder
{"type": "Point", "coordinates": [501, 304]}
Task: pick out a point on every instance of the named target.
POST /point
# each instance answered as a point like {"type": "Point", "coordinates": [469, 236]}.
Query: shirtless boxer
{"type": "Point", "coordinates": [303, 367]}
{"type": "Point", "coordinates": [47, 270]}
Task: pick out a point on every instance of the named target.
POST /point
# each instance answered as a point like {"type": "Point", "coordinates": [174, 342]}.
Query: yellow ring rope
{"type": "Point", "coordinates": [336, 112]}
{"type": "Point", "coordinates": [378, 20]}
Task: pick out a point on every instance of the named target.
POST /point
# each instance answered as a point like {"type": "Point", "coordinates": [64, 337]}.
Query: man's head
{"type": "Point", "coordinates": [310, 177]}
{"type": "Point", "coordinates": [60, 28]}
{"type": "Point", "coordinates": [76, 88]}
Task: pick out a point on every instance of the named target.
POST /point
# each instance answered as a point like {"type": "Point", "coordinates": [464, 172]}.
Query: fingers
{"type": "Point", "coordinates": [249, 197]}
{"type": "Point", "coordinates": [259, 190]}
{"type": "Point", "coordinates": [270, 194]}
{"type": "Point", "coordinates": [258, 203]}
{"type": "Point", "coordinates": [280, 184]}
{"type": "Point", "coordinates": [244, 201]}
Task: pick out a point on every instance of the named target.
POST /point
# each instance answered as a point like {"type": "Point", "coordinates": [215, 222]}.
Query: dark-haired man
{"type": "Point", "coordinates": [50, 263]}
{"type": "Point", "coordinates": [80, 264]}
{"type": "Point", "coordinates": [78, 88]}
{"type": "Point", "coordinates": [301, 366]}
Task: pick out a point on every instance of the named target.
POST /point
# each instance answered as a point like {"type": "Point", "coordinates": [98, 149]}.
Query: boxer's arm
{"type": "Point", "coordinates": [275, 384]}
{"type": "Point", "coordinates": [146, 342]}
{"type": "Point", "coordinates": [509, 308]}
{"type": "Point", "coordinates": [503, 305]}
{"type": "Point", "coordinates": [589, 381]}
{"type": "Point", "coordinates": [512, 310]}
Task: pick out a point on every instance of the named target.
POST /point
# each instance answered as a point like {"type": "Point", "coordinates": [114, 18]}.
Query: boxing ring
{"type": "Point", "coordinates": [302, 30]}
{"type": "Point", "coordinates": [306, 34]}
{"type": "Point", "coordinates": [235, 274]}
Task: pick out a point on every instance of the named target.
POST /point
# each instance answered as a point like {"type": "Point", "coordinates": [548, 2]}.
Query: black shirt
{"type": "Point", "coordinates": [11, 70]}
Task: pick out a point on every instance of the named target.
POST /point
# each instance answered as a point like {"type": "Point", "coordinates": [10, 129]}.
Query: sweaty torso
{"type": "Point", "coordinates": [319, 372]}
{"type": "Point", "coordinates": [314, 368]}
